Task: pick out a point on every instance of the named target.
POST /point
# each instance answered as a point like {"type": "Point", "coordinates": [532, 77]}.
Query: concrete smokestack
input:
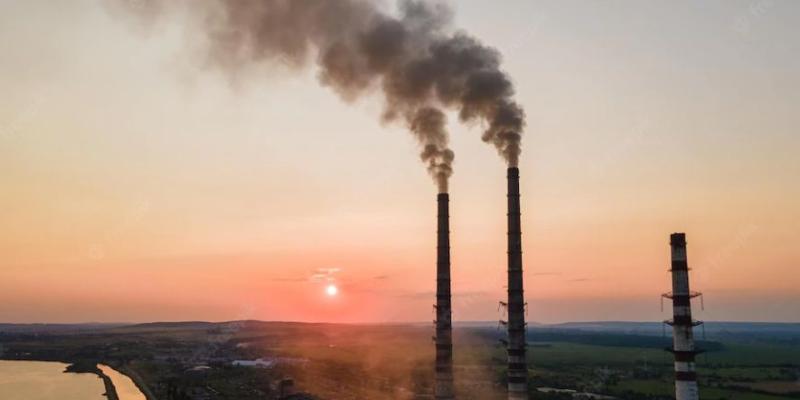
{"type": "Point", "coordinates": [444, 326]}
{"type": "Point", "coordinates": [682, 322]}
{"type": "Point", "coordinates": [517, 366]}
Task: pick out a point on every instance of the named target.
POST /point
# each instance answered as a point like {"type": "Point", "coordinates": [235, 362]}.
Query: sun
{"type": "Point", "coordinates": [331, 290]}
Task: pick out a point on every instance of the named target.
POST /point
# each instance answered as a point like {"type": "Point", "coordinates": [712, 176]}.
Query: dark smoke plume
{"type": "Point", "coordinates": [418, 62]}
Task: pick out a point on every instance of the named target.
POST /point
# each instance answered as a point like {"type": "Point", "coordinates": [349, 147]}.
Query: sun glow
{"type": "Point", "coordinates": [331, 290]}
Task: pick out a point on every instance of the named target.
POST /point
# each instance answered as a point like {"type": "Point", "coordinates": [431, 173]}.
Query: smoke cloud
{"type": "Point", "coordinates": [416, 59]}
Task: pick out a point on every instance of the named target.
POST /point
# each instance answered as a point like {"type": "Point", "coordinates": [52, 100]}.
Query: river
{"type": "Point", "coordinates": [126, 389]}
{"type": "Point", "coordinates": [37, 380]}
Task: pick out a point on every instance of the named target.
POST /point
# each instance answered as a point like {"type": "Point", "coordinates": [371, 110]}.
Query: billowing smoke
{"type": "Point", "coordinates": [428, 125]}
{"type": "Point", "coordinates": [420, 64]}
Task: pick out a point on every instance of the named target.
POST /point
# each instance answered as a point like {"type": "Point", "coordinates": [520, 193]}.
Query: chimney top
{"type": "Point", "coordinates": [677, 239]}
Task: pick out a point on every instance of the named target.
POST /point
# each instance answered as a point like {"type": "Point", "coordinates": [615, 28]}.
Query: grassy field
{"type": "Point", "coordinates": [665, 388]}
{"type": "Point", "coordinates": [746, 372]}
{"type": "Point", "coordinates": [570, 354]}
{"type": "Point", "coordinates": [737, 354]}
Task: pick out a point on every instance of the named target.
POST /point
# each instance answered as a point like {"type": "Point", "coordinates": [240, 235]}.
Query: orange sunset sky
{"type": "Point", "coordinates": [139, 185]}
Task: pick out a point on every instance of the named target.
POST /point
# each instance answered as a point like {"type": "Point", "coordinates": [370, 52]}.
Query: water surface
{"type": "Point", "coordinates": [126, 389]}
{"type": "Point", "coordinates": [37, 380]}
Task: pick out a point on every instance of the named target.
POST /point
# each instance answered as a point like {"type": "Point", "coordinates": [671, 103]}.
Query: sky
{"type": "Point", "coordinates": [139, 184]}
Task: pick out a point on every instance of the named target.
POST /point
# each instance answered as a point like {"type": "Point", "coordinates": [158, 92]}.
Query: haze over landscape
{"type": "Point", "coordinates": [141, 184]}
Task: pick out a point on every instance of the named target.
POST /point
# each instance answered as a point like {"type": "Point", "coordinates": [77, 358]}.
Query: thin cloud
{"type": "Point", "coordinates": [546, 274]}
{"type": "Point", "coordinates": [289, 279]}
{"type": "Point", "coordinates": [429, 294]}
{"type": "Point", "coordinates": [324, 274]}
{"type": "Point", "coordinates": [318, 275]}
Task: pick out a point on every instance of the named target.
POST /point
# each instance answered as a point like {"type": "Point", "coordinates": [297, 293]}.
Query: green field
{"type": "Point", "coordinates": [665, 388]}
{"type": "Point", "coordinates": [739, 371]}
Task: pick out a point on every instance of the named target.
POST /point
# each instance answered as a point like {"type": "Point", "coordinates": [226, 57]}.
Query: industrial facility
{"type": "Point", "coordinates": [682, 322]}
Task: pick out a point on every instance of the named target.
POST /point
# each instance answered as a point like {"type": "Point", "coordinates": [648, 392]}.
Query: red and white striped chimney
{"type": "Point", "coordinates": [682, 323]}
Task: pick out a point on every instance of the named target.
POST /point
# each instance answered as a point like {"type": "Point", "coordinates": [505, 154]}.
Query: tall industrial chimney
{"type": "Point", "coordinates": [517, 366]}
{"type": "Point", "coordinates": [444, 326]}
{"type": "Point", "coordinates": [682, 322]}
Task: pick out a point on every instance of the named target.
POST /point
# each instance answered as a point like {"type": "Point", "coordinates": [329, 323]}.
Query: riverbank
{"type": "Point", "coordinates": [111, 390]}
{"type": "Point", "coordinates": [138, 381]}
{"type": "Point", "coordinates": [88, 367]}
